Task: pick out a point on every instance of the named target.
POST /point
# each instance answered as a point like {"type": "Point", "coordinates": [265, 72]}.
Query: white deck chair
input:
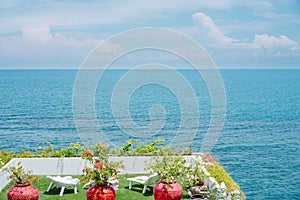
{"type": "Point", "coordinates": [63, 182]}
{"type": "Point", "coordinates": [145, 180]}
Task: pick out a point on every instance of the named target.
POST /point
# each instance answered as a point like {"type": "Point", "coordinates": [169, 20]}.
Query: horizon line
{"type": "Point", "coordinates": [178, 68]}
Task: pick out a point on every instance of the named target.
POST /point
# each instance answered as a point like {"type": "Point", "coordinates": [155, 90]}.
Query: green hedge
{"type": "Point", "coordinates": [220, 174]}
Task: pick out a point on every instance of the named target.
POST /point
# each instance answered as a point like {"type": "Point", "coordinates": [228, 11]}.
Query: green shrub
{"type": "Point", "coordinates": [45, 152]}
{"type": "Point", "coordinates": [169, 167]}
{"type": "Point", "coordinates": [195, 174]}
{"type": "Point", "coordinates": [5, 157]}
{"type": "Point", "coordinates": [143, 148]}
{"type": "Point", "coordinates": [26, 154]}
{"type": "Point", "coordinates": [73, 150]}
{"type": "Point", "coordinates": [18, 175]}
{"type": "Point", "coordinates": [148, 149]}
{"type": "Point", "coordinates": [219, 173]}
{"type": "Point", "coordinates": [127, 148]}
{"type": "Point", "coordinates": [100, 150]}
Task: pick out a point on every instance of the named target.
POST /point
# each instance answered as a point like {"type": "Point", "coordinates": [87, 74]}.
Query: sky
{"type": "Point", "coordinates": [236, 34]}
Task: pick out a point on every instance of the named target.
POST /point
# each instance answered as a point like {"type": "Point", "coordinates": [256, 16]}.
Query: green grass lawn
{"type": "Point", "coordinates": [123, 193]}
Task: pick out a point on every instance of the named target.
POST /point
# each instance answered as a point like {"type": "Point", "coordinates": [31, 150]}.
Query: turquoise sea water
{"type": "Point", "coordinates": [259, 146]}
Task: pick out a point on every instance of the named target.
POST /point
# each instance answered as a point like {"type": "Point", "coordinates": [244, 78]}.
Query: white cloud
{"type": "Point", "coordinates": [40, 45]}
{"type": "Point", "coordinates": [228, 4]}
{"type": "Point", "coordinates": [41, 35]}
{"type": "Point", "coordinates": [27, 28]}
{"type": "Point", "coordinates": [272, 46]}
{"type": "Point", "coordinates": [270, 41]}
{"type": "Point", "coordinates": [209, 30]}
{"type": "Point", "coordinates": [23, 14]}
{"type": "Point", "coordinates": [261, 45]}
{"type": "Point", "coordinates": [103, 54]}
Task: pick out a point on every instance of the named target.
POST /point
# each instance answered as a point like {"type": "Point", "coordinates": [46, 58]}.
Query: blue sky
{"type": "Point", "coordinates": [236, 34]}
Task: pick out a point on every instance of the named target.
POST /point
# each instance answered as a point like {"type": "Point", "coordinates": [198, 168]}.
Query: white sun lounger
{"type": "Point", "coordinates": [63, 182]}
{"type": "Point", "coordinates": [145, 180]}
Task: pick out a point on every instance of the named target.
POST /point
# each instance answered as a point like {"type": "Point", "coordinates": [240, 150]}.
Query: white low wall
{"type": "Point", "coordinates": [4, 174]}
{"type": "Point", "coordinates": [133, 164]}
{"type": "Point", "coordinates": [74, 166]}
{"type": "Point", "coordinates": [46, 166]}
{"type": "Point", "coordinates": [54, 166]}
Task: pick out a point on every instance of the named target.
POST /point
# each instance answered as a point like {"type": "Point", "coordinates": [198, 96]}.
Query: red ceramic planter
{"type": "Point", "coordinates": [23, 192]}
{"type": "Point", "coordinates": [167, 191]}
{"type": "Point", "coordinates": [100, 193]}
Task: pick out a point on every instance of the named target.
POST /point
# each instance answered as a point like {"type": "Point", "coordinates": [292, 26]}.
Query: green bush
{"type": "Point", "coordinates": [127, 148]}
{"type": "Point", "coordinates": [143, 148]}
{"type": "Point", "coordinates": [18, 175]}
{"type": "Point", "coordinates": [73, 150]}
{"type": "Point", "coordinates": [148, 149]}
{"type": "Point", "coordinates": [169, 167]}
{"type": "Point", "coordinates": [26, 154]}
{"type": "Point", "coordinates": [46, 152]}
{"type": "Point", "coordinates": [219, 173]}
{"type": "Point", "coordinates": [5, 157]}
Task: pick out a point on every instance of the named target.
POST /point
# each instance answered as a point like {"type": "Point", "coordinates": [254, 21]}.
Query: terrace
{"type": "Point", "coordinates": [134, 165]}
{"type": "Point", "coordinates": [73, 167]}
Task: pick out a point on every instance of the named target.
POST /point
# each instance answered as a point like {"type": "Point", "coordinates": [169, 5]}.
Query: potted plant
{"type": "Point", "coordinates": [171, 169]}
{"type": "Point", "coordinates": [194, 181]}
{"type": "Point", "coordinates": [22, 189]}
{"type": "Point", "coordinates": [99, 175]}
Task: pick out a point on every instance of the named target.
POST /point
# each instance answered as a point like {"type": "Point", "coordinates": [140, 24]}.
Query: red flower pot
{"type": "Point", "coordinates": [167, 191]}
{"type": "Point", "coordinates": [23, 192]}
{"type": "Point", "coordinates": [97, 192]}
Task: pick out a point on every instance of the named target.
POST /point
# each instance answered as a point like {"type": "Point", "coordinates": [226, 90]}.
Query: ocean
{"type": "Point", "coordinates": [259, 145]}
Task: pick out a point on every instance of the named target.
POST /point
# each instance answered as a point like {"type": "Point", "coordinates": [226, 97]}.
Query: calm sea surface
{"type": "Point", "coordinates": [259, 146]}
